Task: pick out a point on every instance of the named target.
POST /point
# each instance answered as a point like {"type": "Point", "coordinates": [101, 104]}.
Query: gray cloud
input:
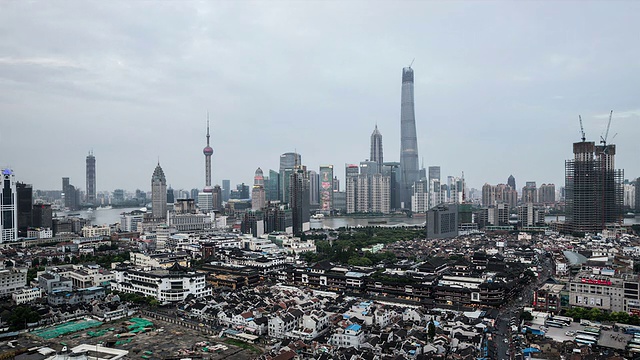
{"type": "Point", "coordinates": [498, 89]}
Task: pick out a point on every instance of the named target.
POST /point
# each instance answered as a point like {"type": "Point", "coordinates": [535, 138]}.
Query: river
{"type": "Point", "coordinates": [110, 216]}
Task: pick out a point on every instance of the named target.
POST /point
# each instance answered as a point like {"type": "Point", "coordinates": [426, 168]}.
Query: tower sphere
{"type": "Point", "coordinates": [208, 151]}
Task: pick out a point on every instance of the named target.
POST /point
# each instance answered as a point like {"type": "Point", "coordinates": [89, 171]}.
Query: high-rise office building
{"type": "Point", "coordinates": [171, 198]}
{"type": "Point", "coordinates": [288, 161]}
{"type": "Point", "coordinates": [299, 199]}
{"type": "Point", "coordinates": [207, 151]}
{"type": "Point", "coordinates": [159, 193]}
{"type": "Point", "coordinates": [593, 188]}
{"type": "Point", "coordinates": [409, 171]}
{"type": "Point", "coordinates": [71, 195]}
{"type": "Point", "coordinates": [217, 198]}
{"type": "Point", "coordinates": [272, 186]}
{"type": "Point", "coordinates": [434, 173]}
{"type": "Point", "coordinates": [314, 188]}
{"type": "Point", "coordinates": [42, 216]}
{"type": "Point", "coordinates": [512, 182]}
{"type": "Point", "coordinates": [258, 195]}
{"type": "Point", "coordinates": [380, 201]}
{"type": "Point", "coordinates": [376, 148]}
{"type": "Point", "coordinates": [193, 194]}
{"type": "Point", "coordinates": [226, 189]}
{"type": "Point", "coordinates": [24, 199]}
{"type": "Point", "coordinates": [326, 188]}
{"type": "Point", "coordinates": [530, 193]}
{"type": "Point", "coordinates": [91, 179]}
{"type": "Point", "coordinates": [8, 207]}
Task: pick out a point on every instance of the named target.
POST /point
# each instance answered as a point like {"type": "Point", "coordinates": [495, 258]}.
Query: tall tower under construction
{"type": "Point", "coordinates": [594, 188]}
{"type": "Point", "coordinates": [409, 171]}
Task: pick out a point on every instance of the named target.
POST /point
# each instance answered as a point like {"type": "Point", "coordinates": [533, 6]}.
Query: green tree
{"type": "Point", "coordinates": [431, 330]}
{"type": "Point", "coordinates": [35, 262]}
{"type": "Point", "coordinates": [526, 316]}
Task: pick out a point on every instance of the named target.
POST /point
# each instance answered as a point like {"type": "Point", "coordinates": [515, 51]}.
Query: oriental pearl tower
{"type": "Point", "coordinates": [207, 151]}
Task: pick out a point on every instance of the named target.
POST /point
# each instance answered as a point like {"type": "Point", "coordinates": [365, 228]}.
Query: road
{"type": "Point", "coordinates": [512, 310]}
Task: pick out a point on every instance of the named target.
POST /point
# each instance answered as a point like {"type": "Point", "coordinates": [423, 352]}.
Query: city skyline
{"type": "Point", "coordinates": [491, 100]}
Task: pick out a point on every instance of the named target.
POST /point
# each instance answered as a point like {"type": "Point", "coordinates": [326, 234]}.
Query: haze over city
{"type": "Point", "coordinates": [498, 86]}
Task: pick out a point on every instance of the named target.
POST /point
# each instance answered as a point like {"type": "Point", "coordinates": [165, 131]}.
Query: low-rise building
{"type": "Point", "coordinates": [12, 280]}
{"type": "Point", "coordinates": [171, 285]}
{"type": "Point", "coordinates": [23, 296]}
{"type": "Point", "coordinates": [605, 290]}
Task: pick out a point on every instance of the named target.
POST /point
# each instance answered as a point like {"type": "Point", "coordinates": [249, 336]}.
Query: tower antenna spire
{"type": "Point", "coordinates": [207, 127]}
{"type": "Point", "coordinates": [414, 59]}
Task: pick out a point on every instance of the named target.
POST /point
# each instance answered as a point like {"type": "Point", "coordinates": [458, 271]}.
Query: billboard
{"type": "Point", "coordinates": [326, 188]}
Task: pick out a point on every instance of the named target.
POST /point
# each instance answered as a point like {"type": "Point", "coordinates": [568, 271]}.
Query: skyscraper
{"type": "Point", "coordinates": [409, 171]}
{"type": "Point", "coordinates": [159, 193]}
{"type": "Point", "coordinates": [91, 179]}
{"type": "Point", "coordinates": [434, 173]}
{"type": "Point", "coordinates": [8, 207]}
{"type": "Point", "coordinates": [207, 151]}
{"type": "Point", "coordinates": [314, 188]}
{"type": "Point", "coordinates": [226, 189]}
{"type": "Point", "coordinates": [299, 198]}
{"type": "Point", "coordinates": [24, 200]}
{"type": "Point", "coordinates": [288, 161]}
{"type": "Point", "coordinates": [258, 196]}
{"type": "Point", "coordinates": [593, 188]}
{"type": "Point", "coordinates": [512, 182]}
{"type": "Point", "coordinates": [326, 188]}
{"type": "Point", "coordinates": [376, 148]}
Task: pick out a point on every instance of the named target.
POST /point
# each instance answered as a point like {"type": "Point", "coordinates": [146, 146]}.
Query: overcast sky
{"type": "Point", "coordinates": [498, 86]}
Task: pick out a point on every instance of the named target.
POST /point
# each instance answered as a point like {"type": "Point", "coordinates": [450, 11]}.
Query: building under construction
{"type": "Point", "coordinates": [594, 188]}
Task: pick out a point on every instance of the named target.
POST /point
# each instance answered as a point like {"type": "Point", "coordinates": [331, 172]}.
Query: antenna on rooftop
{"type": "Point", "coordinates": [414, 59]}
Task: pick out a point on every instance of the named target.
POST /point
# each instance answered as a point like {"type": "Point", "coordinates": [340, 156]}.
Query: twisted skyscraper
{"type": "Point", "coordinates": [409, 171]}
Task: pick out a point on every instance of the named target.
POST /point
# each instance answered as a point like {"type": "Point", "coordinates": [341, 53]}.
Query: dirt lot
{"type": "Point", "coordinates": [165, 340]}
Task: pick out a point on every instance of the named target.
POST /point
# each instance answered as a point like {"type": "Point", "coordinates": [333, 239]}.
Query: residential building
{"type": "Point", "coordinates": [12, 280]}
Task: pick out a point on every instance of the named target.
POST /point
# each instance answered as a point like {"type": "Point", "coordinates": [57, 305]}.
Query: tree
{"type": "Point", "coordinates": [526, 316]}
{"type": "Point", "coordinates": [35, 262]}
{"type": "Point", "coordinates": [55, 260]}
{"type": "Point", "coordinates": [431, 330]}
{"type": "Point", "coordinates": [44, 261]}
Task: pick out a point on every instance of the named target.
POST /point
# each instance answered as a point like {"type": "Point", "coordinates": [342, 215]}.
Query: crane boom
{"type": "Point", "coordinates": [606, 134]}
{"type": "Point", "coordinates": [582, 129]}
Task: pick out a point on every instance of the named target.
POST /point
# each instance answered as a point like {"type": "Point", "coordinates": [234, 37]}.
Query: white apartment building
{"type": "Point", "coordinates": [24, 296]}
{"type": "Point", "coordinates": [92, 231]}
{"type": "Point", "coordinates": [351, 336]}
{"type": "Point", "coordinates": [171, 285]}
{"type": "Point", "coordinates": [12, 280]}
{"type": "Point", "coordinates": [40, 233]}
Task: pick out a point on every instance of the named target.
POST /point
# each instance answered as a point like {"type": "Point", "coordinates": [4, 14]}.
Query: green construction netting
{"type": "Point", "coordinates": [66, 328]}
{"type": "Point", "coordinates": [139, 325]}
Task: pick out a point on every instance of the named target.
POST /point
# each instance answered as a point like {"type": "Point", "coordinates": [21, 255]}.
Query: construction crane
{"type": "Point", "coordinates": [603, 140]}
{"type": "Point", "coordinates": [582, 129]}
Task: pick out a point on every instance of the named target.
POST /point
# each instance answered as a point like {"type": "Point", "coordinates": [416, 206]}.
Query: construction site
{"type": "Point", "coordinates": [142, 338]}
